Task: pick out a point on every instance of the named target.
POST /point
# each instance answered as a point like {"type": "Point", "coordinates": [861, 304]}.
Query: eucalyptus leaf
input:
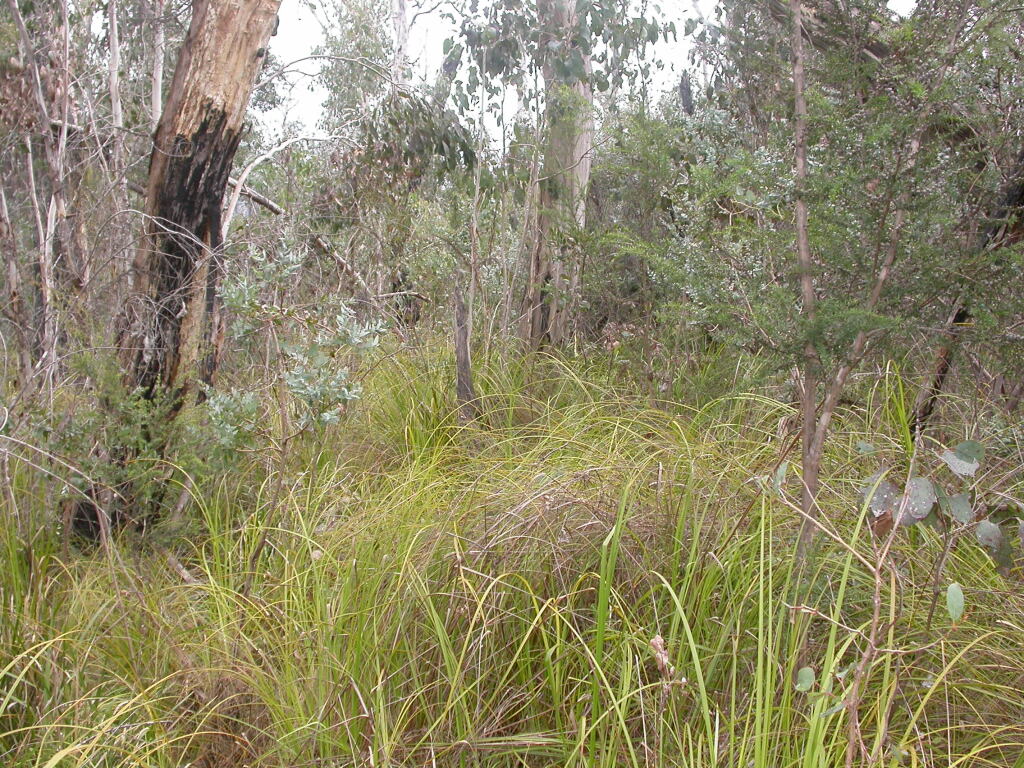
{"type": "Point", "coordinates": [970, 450]}
{"type": "Point", "coordinates": [881, 496]}
{"type": "Point", "coordinates": [958, 507]}
{"type": "Point", "coordinates": [989, 535]}
{"type": "Point", "coordinates": [920, 497]}
{"type": "Point", "coordinates": [804, 679]}
{"type": "Point", "coordinates": [965, 459]}
{"type": "Point", "coordinates": [780, 476]}
{"type": "Point", "coordinates": [955, 601]}
{"type": "Point", "coordinates": [839, 706]}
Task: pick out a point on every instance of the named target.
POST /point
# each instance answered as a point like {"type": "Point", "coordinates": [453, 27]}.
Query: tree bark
{"type": "Point", "coordinates": [174, 328]}
{"type": "Point", "coordinates": [15, 309]}
{"type": "Point", "coordinates": [156, 83]}
{"type": "Point", "coordinates": [49, 88]}
{"type": "Point", "coordinates": [465, 393]}
{"type": "Point", "coordinates": [400, 59]}
{"type": "Point", "coordinates": [553, 283]}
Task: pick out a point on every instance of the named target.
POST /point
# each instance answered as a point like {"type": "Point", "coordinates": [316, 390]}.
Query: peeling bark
{"type": "Point", "coordinates": [156, 83]}
{"type": "Point", "coordinates": [400, 58]}
{"type": "Point", "coordinates": [15, 309]}
{"type": "Point", "coordinates": [174, 327]}
{"type": "Point", "coordinates": [172, 330]}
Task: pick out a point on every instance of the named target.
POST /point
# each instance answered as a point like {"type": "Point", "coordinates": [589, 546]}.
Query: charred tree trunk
{"type": "Point", "coordinates": [174, 329]}
{"type": "Point", "coordinates": [552, 280]}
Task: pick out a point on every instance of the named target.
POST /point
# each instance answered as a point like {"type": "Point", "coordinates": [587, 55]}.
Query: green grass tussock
{"type": "Point", "coordinates": [582, 579]}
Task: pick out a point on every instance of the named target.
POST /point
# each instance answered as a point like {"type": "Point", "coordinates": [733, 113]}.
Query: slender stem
{"type": "Point", "coordinates": [809, 393]}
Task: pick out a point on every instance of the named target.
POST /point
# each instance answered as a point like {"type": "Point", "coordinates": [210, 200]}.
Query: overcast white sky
{"type": "Point", "coordinates": [300, 32]}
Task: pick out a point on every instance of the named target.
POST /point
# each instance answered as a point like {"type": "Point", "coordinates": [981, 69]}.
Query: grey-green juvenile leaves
{"type": "Point", "coordinates": [965, 459]}
{"type": "Point", "coordinates": [804, 679]}
{"type": "Point", "coordinates": [989, 535]}
{"type": "Point", "coordinates": [955, 601]}
{"type": "Point", "coordinates": [958, 507]}
{"type": "Point", "coordinates": [881, 498]}
{"type": "Point", "coordinates": [920, 498]}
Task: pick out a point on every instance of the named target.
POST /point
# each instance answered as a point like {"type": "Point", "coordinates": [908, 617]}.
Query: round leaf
{"type": "Point", "coordinates": [881, 496]}
{"type": "Point", "coordinates": [958, 507]}
{"type": "Point", "coordinates": [989, 535]}
{"type": "Point", "coordinates": [970, 450]}
{"type": "Point", "coordinates": [804, 679]}
{"type": "Point", "coordinates": [920, 497]}
{"type": "Point", "coordinates": [965, 459]}
{"type": "Point", "coordinates": [955, 601]}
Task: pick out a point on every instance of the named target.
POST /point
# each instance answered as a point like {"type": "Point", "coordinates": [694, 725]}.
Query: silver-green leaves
{"type": "Point", "coordinates": [965, 459]}
{"type": "Point", "coordinates": [958, 507]}
{"type": "Point", "coordinates": [989, 535]}
{"type": "Point", "coordinates": [955, 601]}
{"type": "Point", "coordinates": [804, 679]}
{"type": "Point", "coordinates": [919, 499]}
{"type": "Point", "coordinates": [880, 495]}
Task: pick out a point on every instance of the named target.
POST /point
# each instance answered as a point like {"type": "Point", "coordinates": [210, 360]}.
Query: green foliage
{"type": "Point", "coordinates": [731, 202]}
{"type": "Point", "coordinates": [508, 43]}
{"type": "Point", "coordinates": [408, 134]}
{"type": "Point", "coordinates": [110, 441]}
{"type": "Point", "coordinates": [804, 679]}
{"type": "Point", "coordinates": [312, 345]}
{"type": "Point", "coordinates": [926, 500]}
{"type": "Point", "coordinates": [585, 576]}
{"type": "Point", "coordinates": [357, 49]}
{"type": "Point", "coordinates": [955, 602]}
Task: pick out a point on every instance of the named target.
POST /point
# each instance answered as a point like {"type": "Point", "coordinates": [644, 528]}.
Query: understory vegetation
{"type": "Point", "coordinates": [594, 578]}
{"type": "Point", "coordinates": [511, 384]}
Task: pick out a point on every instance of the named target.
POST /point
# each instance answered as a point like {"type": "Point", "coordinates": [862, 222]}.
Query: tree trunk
{"type": "Point", "coordinates": [400, 58]}
{"type": "Point", "coordinates": [156, 83]}
{"type": "Point", "coordinates": [465, 393]}
{"type": "Point", "coordinates": [560, 195]}
{"type": "Point", "coordinates": [15, 309]}
{"type": "Point", "coordinates": [174, 327]}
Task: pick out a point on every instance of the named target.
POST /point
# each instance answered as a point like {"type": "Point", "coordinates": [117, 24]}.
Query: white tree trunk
{"type": "Point", "coordinates": [553, 280]}
{"type": "Point", "coordinates": [156, 90]}
{"type": "Point", "coordinates": [400, 23]}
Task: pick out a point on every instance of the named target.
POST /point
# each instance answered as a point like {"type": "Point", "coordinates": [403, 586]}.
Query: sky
{"type": "Point", "coordinates": [300, 32]}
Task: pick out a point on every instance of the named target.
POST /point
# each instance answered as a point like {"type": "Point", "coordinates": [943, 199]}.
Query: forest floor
{"type": "Point", "coordinates": [584, 577]}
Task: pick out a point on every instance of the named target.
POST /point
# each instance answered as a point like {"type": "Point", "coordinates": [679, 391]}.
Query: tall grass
{"type": "Point", "coordinates": [491, 595]}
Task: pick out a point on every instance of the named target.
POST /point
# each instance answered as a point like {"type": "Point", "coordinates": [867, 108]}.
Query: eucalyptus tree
{"type": "Point", "coordinates": [555, 54]}
{"type": "Point", "coordinates": [174, 325]}
{"type": "Point", "coordinates": [78, 101]}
